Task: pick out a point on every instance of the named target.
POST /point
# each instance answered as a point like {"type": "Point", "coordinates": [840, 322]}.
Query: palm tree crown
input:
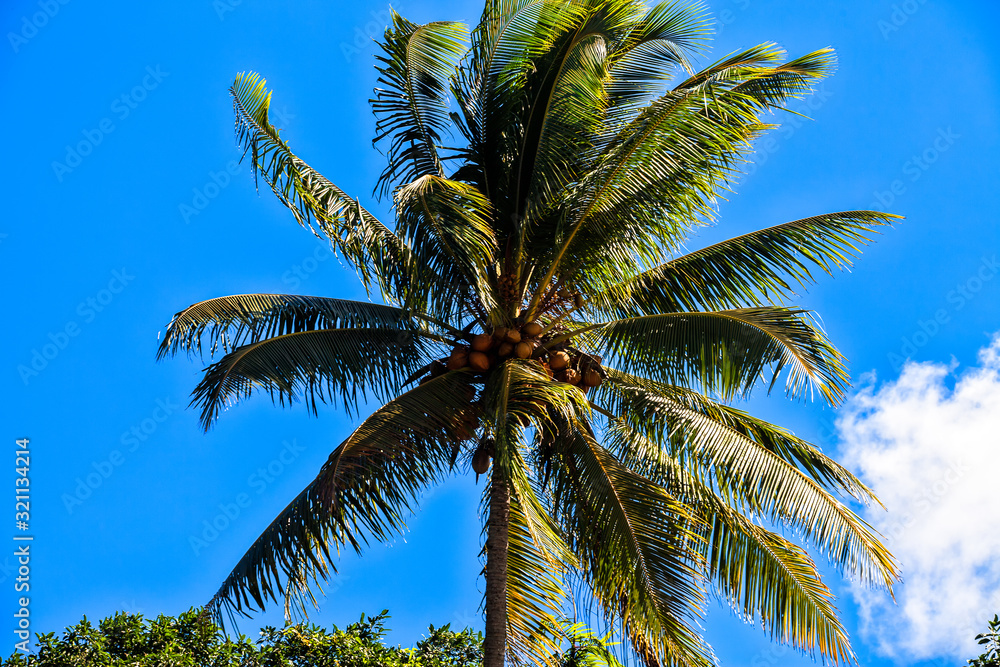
{"type": "Point", "coordinates": [540, 319]}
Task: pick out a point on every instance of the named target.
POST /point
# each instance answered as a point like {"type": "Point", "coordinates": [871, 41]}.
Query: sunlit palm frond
{"type": "Point", "coordinates": [658, 44]}
{"type": "Point", "coordinates": [757, 480]}
{"type": "Point", "coordinates": [448, 223]}
{"type": "Point", "coordinates": [625, 394]}
{"type": "Point", "coordinates": [638, 551]}
{"type": "Point", "coordinates": [661, 173]}
{"type": "Point", "coordinates": [763, 577]}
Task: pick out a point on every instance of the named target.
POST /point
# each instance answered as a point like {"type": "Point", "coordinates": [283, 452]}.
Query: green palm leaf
{"type": "Point", "coordinates": [661, 173]}
{"type": "Point", "coordinates": [448, 222]}
{"type": "Point", "coordinates": [638, 549]}
{"type": "Point", "coordinates": [625, 394]}
{"type": "Point", "coordinates": [765, 578]}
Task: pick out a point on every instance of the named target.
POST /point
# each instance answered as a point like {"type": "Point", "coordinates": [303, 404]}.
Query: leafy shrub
{"type": "Point", "coordinates": [191, 639]}
{"type": "Point", "coordinates": [991, 640]}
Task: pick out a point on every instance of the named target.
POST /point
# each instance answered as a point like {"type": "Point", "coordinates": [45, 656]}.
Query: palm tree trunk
{"type": "Point", "coordinates": [495, 642]}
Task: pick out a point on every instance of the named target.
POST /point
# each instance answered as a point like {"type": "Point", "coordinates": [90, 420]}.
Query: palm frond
{"type": "Point", "coordinates": [661, 172]}
{"type": "Point", "coordinates": [449, 223]}
{"type": "Point", "coordinates": [231, 321]}
{"type": "Point", "coordinates": [364, 492]}
{"type": "Point", "coordinates": [750, 270]}
{"type": "Point", "coordinates": [659, 43]}
{"type": "Point", "coordinates": [366, 243]}
{"type": "Point", "coordinates": [411, 101]}
{"type": "Point", "coordinates": [627, 394]}
{"type": "Point", "coordinates": [763, 577]}
{"type": "Point", "coordinates": [726, 351]}
{"type": "Point", "coordinates": [755, 479]}
{"type": "Point", "coordinates": [318, 365]}
{"type": "Point", "coordinates": [638, 551]}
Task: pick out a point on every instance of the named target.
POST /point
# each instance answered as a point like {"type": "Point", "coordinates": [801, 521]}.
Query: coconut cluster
{"type": "Point", "coordinates": [486, 349]}
{"type": "Point", "coordinates": [528, 341]}
{"type": "Point", "coordinates": [561, 361]}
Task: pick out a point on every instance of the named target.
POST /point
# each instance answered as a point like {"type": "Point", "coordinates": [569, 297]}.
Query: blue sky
{"type": "Point", "coordinates": [124, 206]}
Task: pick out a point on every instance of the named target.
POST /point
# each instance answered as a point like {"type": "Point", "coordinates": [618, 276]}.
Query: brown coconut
{"type": "Point", "coordinates": [479, 362]}
{"type": "Point", "coordinates": [524, 349]}
{"type": "Point", "coordinates": [505, 349]}
{"type": "Point", "coordinates": [500, 333]}
{"type": "Point", "coordinates": [532, 329]}
{"type": "Point", "coordinates": [591, 378]}
{"type": "Point", "coordinates": [513, 336]}
{"type": "Point", "coordinates": [482, 342]}
{"type": "Point", "coordinates": [481, 461]}
{"type": "Point", "coordinates": [457, 360]}
{"type": "Point", "coordinates": [572, 377]}
{"type": "Point", "coordinates": [558, 360]}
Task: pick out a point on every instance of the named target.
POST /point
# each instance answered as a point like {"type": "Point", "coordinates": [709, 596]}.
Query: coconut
{"type": "Point", "coordinates": [482, 342]}
{"type": "Point", "coordinates": [513, 336]}
{"type": "Point", "coordinates": [500, 333]}
{"type": "Point", "coordinates": [532, 329]}
{"type": "Point", "coordinates": [457, 360]}
{"type": "Point", "coordinates": [572, 377]}
{"type": "Point", "coordinates": [578, 300]}
{"type": "Point", "coordinates": [479, 362]}
{"type": "Point", "coordinates": [524, 349]}
{"type": "Point", "coordinates": [591, 378]}
{"type": "Point", "coordinates": [481, 461]}
{"type": "Point", "coordinates": [505, 349]}
{"type": "Point", "coordinates": [558, 360]}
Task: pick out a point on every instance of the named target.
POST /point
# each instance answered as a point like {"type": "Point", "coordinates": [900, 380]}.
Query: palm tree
{"type": "Point", "coordinates": [536, 299]}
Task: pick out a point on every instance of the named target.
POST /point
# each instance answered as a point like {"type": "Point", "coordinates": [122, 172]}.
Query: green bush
{"type": "Point", "coordinates": [990, 640]}
{"type": "Point", "coordinates": [192, 639]}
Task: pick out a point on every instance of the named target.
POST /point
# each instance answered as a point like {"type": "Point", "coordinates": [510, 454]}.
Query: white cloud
{"type": "Point", "coordinates": [929, 444]}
